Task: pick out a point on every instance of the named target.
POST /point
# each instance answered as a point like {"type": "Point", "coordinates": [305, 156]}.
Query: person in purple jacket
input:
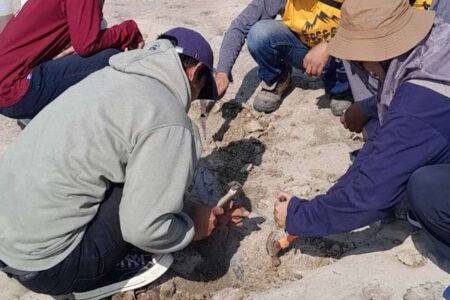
{"type": "Point", "coordinates": [410, 152]}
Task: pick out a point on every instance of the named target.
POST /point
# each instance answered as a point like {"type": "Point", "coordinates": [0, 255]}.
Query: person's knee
{"type": "Point", "coordinates": [105, 55]}
{"type": "Point", "coordinates": [260, 34]}
{"type": "Point", "coordinates": [421, 188]}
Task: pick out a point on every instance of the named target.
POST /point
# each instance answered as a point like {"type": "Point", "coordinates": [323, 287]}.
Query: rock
{"type": "Point", "coordinates": [262, 205]}
{"type": "Point", "coordinates": [411, 258]}
{"type": "Point", "coordinates": [426, 291]}
{"type": "Point", "coordinates": [253, 126]}
{"type": "Point", "coordinates": [298, 275]}
{"type": "Point", "coordinates": [167, 290]}
{"type": "Point", "coordinates": [152, 294]}
{"type": "Point", "coordinates": [332, 178]}
{"type": "Point", "coordinates": [288, 179]}
{"type": "Point", "coordinates": [229, 294]}
{"type": "Point", "coordinates": [124, 296]}
{"type": "Point", "coordinates": [202, 297]}
{"type": "Point", "coordinates": [246, 168]}
{"type": "Point", "coordinates": [376, 291]}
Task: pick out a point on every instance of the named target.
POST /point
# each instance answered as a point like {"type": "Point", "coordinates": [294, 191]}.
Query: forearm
{"type": "Point", "coordinates": [374, 185]}
{"type": "Point", "coordinates": [236, 34]}
{"type": "Point", "coordinates": [84, 21]}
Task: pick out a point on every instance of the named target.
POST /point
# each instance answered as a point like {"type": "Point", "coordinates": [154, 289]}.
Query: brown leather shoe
{"type": "Point", "coordinates": [270, 98]}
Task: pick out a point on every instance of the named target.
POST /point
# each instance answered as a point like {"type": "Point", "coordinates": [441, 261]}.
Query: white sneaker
{"type": "Point", "coordinates": [134, 271]}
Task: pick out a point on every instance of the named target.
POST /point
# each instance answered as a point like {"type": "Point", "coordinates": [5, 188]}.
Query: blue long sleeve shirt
{"type": "Point", "coordinates": [415, 133]}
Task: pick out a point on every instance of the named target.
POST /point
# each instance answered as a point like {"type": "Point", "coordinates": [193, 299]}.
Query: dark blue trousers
{"type": "Point", "coordinates": [92, 260]}
{"type": "Point", "coordinates": [429, 196]}
{"type": "Point", "coordinates": [50, 79]}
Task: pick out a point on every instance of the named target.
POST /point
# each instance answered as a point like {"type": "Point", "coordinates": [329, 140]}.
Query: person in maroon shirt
{"type": "Point", "coordinates": [30, 76]}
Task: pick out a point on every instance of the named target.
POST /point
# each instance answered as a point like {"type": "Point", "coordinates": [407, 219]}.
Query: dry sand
{"type": "Point", "coordinates": [301, 148]}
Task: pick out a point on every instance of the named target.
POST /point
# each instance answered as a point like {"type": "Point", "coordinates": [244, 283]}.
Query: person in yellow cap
{"type": "Point", "coordinates": [408, 50]}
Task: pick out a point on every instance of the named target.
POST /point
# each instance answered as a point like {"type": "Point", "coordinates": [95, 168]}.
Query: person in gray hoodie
{"type": "Point", "coordinates": [97, 180]}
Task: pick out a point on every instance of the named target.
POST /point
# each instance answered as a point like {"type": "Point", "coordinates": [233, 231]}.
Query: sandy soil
{"type": "Point", "coordinates": [301, 148]}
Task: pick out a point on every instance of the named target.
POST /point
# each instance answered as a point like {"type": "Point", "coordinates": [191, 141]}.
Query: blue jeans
{"type": "Point", "coordinates": [50, 79]}
{"type": "Point", "coordinates": [273, 46]}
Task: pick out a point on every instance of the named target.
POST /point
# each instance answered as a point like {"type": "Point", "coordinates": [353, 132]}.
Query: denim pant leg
{"type": "Point", "coordinates": [273, 45]}
{"type": "Point", "coordinates": [100, 250]}
{"type": "Point", "coordinates": [429, 197]}
{"type": "Point", "coordinates": [52, 78]}
{"type": "Point", "coordinates": [335, 78]}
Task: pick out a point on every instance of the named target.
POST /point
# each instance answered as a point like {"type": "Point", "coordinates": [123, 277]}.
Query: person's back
{"type": "Point", "coordinates": [70, 153]}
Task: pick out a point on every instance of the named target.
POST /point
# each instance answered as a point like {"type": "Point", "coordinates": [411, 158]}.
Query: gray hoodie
{"type": "Point", "coordinates": [124, 124]}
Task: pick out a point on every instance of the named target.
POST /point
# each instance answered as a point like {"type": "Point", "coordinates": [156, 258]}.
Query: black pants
{"type": "Point", "coordinates": [429, 196]}
{"type": "Point", "coordinates": [100, 250]}
{"type": "Point", "coordinates": [50, 79]}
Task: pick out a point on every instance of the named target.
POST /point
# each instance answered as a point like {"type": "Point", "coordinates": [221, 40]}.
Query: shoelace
{"type": "Point", "coordinates": [132, 260]}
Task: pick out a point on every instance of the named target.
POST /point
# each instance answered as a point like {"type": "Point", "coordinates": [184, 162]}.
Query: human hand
{"type": "Point", "coordinates": [205, 220]}
{"type": "Point", "coordinates": [316, 59]}
{"type": "Point", "coordinates": [234, 216]}
{"type": "Point", "coordinates": [354, 118]}
{"type": "Point", "coordinates": [222, 83]}
{"type": "Point", "coordinates": [66, 52]}
{"type": "Point", "coordinates": [280, 209]}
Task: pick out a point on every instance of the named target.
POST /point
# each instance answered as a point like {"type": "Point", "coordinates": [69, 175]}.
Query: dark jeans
{"type": "Point", "coordinates": [429, 197]}
{"type": "Point", "coordinates": [100, 250]}
{"type": "Point", "coordinates": [273, 45]}
{"type": "Point", "coordinates": [52, 78]}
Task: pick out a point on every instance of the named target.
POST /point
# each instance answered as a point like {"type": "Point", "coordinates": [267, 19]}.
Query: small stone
{"type": "Point", "coordinates": [293, 124]}
{"type": "Point", "coordinates": [298, 275]}
{"type": "Point", "coordinates": [201, 297]}
{"type": "Point", "coordinates": [152, 294]}
{"type": "Point", "coordinates": [411, 258]}
{"type": "Point", "coordinates": [332, 178]}
{"type": "Point", "coordinates": [253, 126]}
{"type": "Point", "coordinates": [246, 168]}
{"type": "Point", "coordinates": [124, 296]}
{"type": "Point", "coordinates": [288, 179]}
{"type": "Point", "coordinates": [426, 291]}
{"type": "Point", "coordinates": [167, 290]}
{"type": "Point", "coordinates": [261, 205]}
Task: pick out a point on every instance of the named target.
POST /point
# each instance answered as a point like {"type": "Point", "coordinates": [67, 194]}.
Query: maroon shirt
{"type": "Point", "coordinates": [43, 28]}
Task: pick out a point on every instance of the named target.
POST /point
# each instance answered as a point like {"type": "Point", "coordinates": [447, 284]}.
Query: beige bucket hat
{"type": "Point", "coordinates": [378, 30]}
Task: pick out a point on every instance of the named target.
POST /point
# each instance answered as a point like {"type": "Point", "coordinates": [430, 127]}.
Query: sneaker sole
{"type": "Point", "coordinates": [162, 263]}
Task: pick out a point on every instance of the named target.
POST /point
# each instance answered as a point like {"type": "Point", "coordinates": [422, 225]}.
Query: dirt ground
{"type": "Point", "coordinates": [301, 148]}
